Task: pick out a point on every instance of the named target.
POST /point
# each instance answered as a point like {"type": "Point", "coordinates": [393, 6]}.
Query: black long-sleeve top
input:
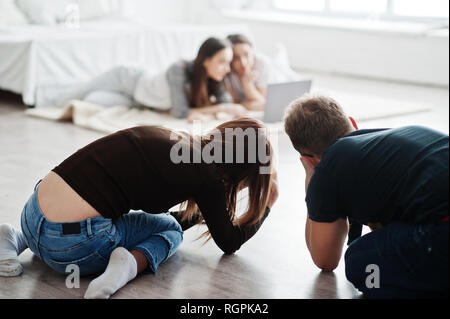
{"type": "Point", "coordinates": [132, 169]}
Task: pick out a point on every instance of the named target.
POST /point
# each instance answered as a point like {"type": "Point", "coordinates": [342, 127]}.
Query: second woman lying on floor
{"type": "Point", "coordinates": [79, 213]}
{"type": "Point", "coordinates": [187, 89]}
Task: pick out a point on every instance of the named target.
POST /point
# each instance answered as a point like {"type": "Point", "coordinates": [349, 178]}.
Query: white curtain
{"type": "Point", "coordinates": [230, 4]}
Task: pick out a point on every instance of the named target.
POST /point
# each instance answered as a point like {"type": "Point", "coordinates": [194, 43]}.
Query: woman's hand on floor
{"type": "Point", "coordinates": [235, 110]}
{"type": "Point", "coordinates": [197, 116]}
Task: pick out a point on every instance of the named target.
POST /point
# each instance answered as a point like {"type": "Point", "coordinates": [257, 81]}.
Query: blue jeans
{"type": "Point", "coordinates": [89, 243]}
{"type": "Point", "coordinates": [412, 261]}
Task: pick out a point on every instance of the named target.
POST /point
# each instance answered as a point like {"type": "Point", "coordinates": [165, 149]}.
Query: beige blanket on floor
{"type": "Point", "coordinates": [111, 119]}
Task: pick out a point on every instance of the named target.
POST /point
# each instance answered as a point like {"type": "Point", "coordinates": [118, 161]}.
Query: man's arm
{"type": "Point", "coordinates": [324, 240]}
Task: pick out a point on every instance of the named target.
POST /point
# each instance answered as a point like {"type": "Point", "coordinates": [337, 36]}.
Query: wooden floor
{"type": "Point", "coordinates": [275, 263]}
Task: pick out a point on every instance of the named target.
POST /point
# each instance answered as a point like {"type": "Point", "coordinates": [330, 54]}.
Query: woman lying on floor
{"type": "Point", "coordinates": [80, 212]}
{"type": "Point", "coordinates": [187, 89]}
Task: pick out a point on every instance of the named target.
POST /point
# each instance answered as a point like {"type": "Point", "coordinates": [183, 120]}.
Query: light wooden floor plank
{"type": "Point", "coordinates": [273, 264]}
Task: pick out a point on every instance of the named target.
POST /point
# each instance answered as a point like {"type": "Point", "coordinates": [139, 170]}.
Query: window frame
{"type": "Point", "coordinates": [388, 15]}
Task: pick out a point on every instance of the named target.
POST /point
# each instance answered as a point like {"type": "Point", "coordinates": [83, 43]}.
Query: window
{"type": "Point", "coordinates": [423, 10]}
{"type": "Point", "coordinates": [429, 8]}
{"type": "Point", "coordinates": [300, 5]}
{"type": "Point", "coordinates": [358, 6]}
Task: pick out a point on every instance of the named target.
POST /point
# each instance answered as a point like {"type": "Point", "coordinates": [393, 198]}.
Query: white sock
{"type": "Point", "coordinates": [122, 268]}
{"type": "Point", "coordinates": [12, 244]}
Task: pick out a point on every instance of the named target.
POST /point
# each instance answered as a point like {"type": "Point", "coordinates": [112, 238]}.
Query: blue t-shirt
{"type": "Point", "coordinates": [382, 175]}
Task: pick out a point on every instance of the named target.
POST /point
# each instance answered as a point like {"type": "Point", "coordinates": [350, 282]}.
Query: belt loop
{"type": "Point", "coordinates": [88, 227]}
{"type": "Point", "coordinates": [35, 186]}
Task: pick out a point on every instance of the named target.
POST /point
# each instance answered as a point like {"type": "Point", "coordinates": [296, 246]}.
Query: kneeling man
{"type": "Point", "coordinates": [396, 181]}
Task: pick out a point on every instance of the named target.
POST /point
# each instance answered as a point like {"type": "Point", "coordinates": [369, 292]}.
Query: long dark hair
{"type": "Point", "coordinates": [202, 87]}
{"type": "Point", "coordinates": [239, 39]}
{"type": "Point", "coordinates": [237, 176]}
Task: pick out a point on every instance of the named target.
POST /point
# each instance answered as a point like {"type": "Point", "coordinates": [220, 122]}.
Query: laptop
{"type": "Point", "coordinates": [279, 96]}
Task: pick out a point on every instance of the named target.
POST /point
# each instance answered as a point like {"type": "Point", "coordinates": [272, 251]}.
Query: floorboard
{"type": "Point", "coordinates": [274, 264]}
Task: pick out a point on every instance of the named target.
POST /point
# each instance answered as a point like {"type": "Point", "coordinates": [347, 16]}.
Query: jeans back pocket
{"type": "Point", "coordinates": [91, 264]}
{"type": "Point", "coordinates": [90, 254]}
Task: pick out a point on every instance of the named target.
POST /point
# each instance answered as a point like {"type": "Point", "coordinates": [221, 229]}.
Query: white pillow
{"type": "Point", "coordinates": [230, 4]}
{"type": "Point", "coordinates": [100, 8]}
{"type": "Point", "coordinates": [10, 13]}
{"type": "Point", "coordinates": [44, 11]}
{"type": "Point", "coordinates": [278, 67]}
{"type": "Point", "coordinates": [52, 12]}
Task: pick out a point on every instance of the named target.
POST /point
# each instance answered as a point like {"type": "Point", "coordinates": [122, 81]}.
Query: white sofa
{"type": "Point", "coordinates": [42, 50]}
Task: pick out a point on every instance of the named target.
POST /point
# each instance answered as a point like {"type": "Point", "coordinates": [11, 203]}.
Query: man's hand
{"type": "Point", "coordinates": [309, 167]}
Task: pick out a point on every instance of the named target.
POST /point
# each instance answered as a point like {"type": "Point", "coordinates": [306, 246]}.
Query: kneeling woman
{"type": "Point", "coordinates": [80, 212]}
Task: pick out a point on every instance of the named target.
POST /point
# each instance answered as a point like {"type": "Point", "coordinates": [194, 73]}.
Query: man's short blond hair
{"type": "Point", "coordinates": [315, 122]}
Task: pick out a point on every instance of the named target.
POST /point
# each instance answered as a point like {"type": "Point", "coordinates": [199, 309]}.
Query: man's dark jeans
{"type": "Point", "coordinates": [411, 261]}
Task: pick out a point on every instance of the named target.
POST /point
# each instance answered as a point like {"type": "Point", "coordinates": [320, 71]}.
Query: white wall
{"type": "Point", "coordinates": [172, 11]}
{"type": "Point", "coordinates": [382, 55]}
{"type": "Point", "coordinates": [395, 56]}
{"type": "Point", "coordinates": [161, 11]}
